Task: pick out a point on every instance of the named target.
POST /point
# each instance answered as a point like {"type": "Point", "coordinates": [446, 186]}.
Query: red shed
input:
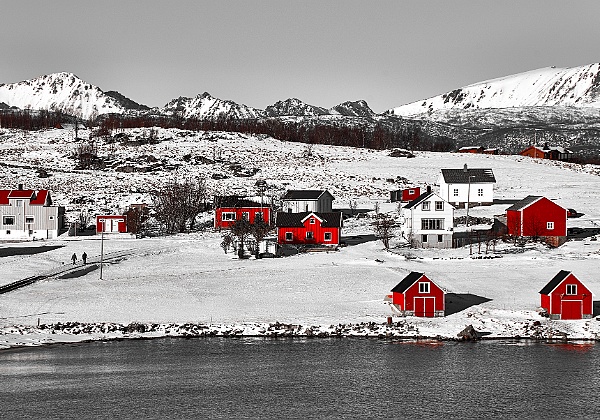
{"type": "Point", "coordinates": [231, 208]}
{"type": "Point", "coordinates": [419, 296]}
{"type": "Point", "coordinates": [537, 216]}
{"type": "Point", "coordinates": [405, 195]}
{"type": "Point", "coordinates": [309, 228]}
{"type": "Point", "coordinates": [111, 224]}
{"type": "Point", "coordinates": [565, 297]}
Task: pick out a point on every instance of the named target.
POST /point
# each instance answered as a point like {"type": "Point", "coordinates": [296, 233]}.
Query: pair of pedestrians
{"type": "Point", "coordinates": [83, 257]}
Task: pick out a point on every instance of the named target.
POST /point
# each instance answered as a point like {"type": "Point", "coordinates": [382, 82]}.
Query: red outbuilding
{"type": "Point", "coordinates": [565, 297]}
{"type": "Point", "coordinates": [229, 209]}
{"type": "Point", "coordinates": [419, 296]}
{"type": "Point", "coordinates": [309, 228]}
{"type": "Point", "coordinates": [111, 224]}
{"type": "Point", "coordinates": [405, 195]}
{"type": "Point", "coordinates": [536, 216]}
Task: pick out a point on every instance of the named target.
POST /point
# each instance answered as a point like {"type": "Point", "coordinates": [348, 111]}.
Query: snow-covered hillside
{"type": "Point", "coordinates": [205, 106]}
{"type": "Point", "coordinates": [560, 87]}
{"type": "Point", "coordinates": [63, 92]}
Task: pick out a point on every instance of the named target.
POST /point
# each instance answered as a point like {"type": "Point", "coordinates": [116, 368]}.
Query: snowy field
{"type": "Point", "coordinates": [188, 278]}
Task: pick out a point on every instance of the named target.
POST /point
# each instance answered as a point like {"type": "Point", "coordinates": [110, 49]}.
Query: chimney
{"type": "Point", "coordinates": [428, 189]}
{"type": "Point", "coordinates": [20, 187]}
{"type": "Point", "coordinates": [465, 169]}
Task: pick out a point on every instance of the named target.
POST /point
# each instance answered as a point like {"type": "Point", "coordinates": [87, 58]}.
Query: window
{"type": "Point", "coordinates": [411, 192]}
{"type": "Point", "coordinates": [550, 225]}
{"type": "Point", "coordinates": [19, 203]}
{"type": "Point", "coordinates": [426, 205]}
{"type": "Point", "coordinates": [8, 220]}
{"type": "Point", "coordinates": [8, 232]}
{"type": "Point", "coordinates": [439, 205]}
{"type": "Point", "coordinates": [312, 221]}
{"type": "Point", "coordinates": [29, 220]}
{"type": "Point", "coordinates": [479, 192]}
{"type": "Point", "coordinates": [424, 239]}
{"type": "Point", "coordinates": [289, 236]}
{"type": "Point", "coordinates": [246, 215]}
{"type": "Point", "coordinates": [50, 217]}
{"type": "Point", "coordinates": [440, 238]}
{"type": "Point", "coordinates": [328, 236]}
{"type": "Point", "coordinates": [432, 224]}
{"type": "Point", "coordinates": [309, 235]}
{"type": "Point", "coordinates": [258, 216]}
{"type": "Point", "coordinates": [571, 289]}
{"type": "Point", "coordinates": [423, 287]}
{"type": "Point", "coordinates": [227, 216]}
{"type": "Point", "coordinates": [455, 192]}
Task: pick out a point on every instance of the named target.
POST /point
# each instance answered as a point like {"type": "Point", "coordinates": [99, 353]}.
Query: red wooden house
{"type": "Point", "coordinates": [405, 195]}
{"type": "Point", "coordinates": [419, 296]}
{"type": "Point", "coordinates": [565, 297]}
{"type": "Point", "coordinates": [536, 216]}
{"type": "Point", "coordinates": [231, 208]}
{"type": "Point", "coordinates": [471, 149]}
{"type": "Point", "coordinates": [111, 224]}
{"type": "Point", "coordinates": [309, 228]}
{"type": "Point", "coordinates": [548, 152]}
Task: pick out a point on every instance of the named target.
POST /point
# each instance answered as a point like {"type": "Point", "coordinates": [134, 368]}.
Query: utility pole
{"type": "Point", "coordinates": [103, 221]}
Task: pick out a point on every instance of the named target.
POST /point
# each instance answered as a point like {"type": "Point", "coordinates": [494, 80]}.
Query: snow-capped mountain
{"type": "Point", "coordinates": [295, 107]}
{"type": "Point", "coordinates": [205, 106]}
{"type": "Point", "coordinates": [353, 109]}
{"type": "Point", "coordinates": [63, 92]}
{"type": "Point", "coordinates": [548, 87]}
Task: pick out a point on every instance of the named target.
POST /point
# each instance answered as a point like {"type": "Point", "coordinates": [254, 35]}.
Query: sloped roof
{"type": "Point", "coordinates": [418, 200]}
{"type": "Point", "coordinates": [305, 194]}
{"type": "Point", "coordinates": [462, 176]}
{"type": "Point", "coordinates": [408, 281]}
{"type": "Point", "coordinates": [527, 201]}
{"type": "Point", "coordinates": [37, 198]}
{"type": "Point", "coordinates": [4, 196]}
{"type": "Point", "coordinates": [21, 194]}
{"type": "Point", "coordinates": [41, 198]}
{"type": "Point", "coordinates": [284, 219]}
{"type": "Point", "coordinates": [552, 284]}
{"type": "Point", "coordinates": [237, 202]}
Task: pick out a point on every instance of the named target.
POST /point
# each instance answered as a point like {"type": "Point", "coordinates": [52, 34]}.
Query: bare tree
{"type": "Point", "coordinates": [177, 204]}
{"type": "Point", "coordinates": [259, 230]}
{"type": "Point", "coordinates": [241, 230]}
{"type": "Point", "coordinates": [384, 226]}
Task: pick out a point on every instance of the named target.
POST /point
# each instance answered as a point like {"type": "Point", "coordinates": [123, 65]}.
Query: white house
{"type": "Point", "coordinates": [474, 186]}
{"type": "Point", "coordinates": [428, 221]}
{"type": "Point", "coordinates": [29, 215]}
{"type": "Point", "coordinates": [299, 201]}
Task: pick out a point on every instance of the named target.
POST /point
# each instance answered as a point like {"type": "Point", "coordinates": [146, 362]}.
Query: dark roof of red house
{"type": "Point", "coordinates": [237, 202]}
{"type": "Point", "coordinates": [462, 176]}
{"type": "Point", "coordinates": [284, 219]}
{"type": "Point", "coordinates": [562, 274]}
{"type": "Point", "coordinates": [305, 194]}
{"type": "Point", "coordinates": [408, 281]}
{"type": "Point", "coordinates": [527, 201]}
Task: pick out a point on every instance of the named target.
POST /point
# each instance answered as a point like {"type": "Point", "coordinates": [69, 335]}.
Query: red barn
{"type": "Point", "coordinates": [111, 224]}
{"type": "Point", "coordinates": [417, 295]}
{"type": "Point", "coordinates": [537, 216]}
{"type": "Point", "coordinates": [309, 228]}
{"type": "Point", "coordinates": [232, 208]}
{"type": "Point", "coordinates": [565, 297]}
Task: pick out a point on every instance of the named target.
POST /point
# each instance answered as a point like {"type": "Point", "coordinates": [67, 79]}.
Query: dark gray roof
{"type": "Point", "coordinates": [562, 274]}
{"type": "Point", "coordinates": [305, 194]}
{"type": "Point", "coordinates": [285, 219]}
{"type": "Point", "coordinates": [408, 281]}
{"type": "Point", "coordinates": [236, 201]}
{"type": "Point", "coordinates": [418, 200]}
{"type": "Point", "coordinates": [519, 205]}
{"type": "Point", "coordinates": [462, 176]}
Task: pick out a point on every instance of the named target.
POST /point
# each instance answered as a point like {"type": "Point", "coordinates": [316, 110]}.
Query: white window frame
{"type": "Point", "coordinates": [289, 236]}
{"type": "Point", "coordinates": [50, 217]}
{"type": "Point", "coordinates": [310, 234]}
{"type": "Point", "coordinates": [432, 224]}
{"type": "Point", "coordinates": [455, 192]}
{"type": "Point", "coordinates": [226, 216]}
{"type": "Point", "coordinates": [550, 225]}
{"type": "Point", "coordinates": [426, 206]}
{"type": "Point", "coordinates": [246, 215]}
{"type": "Point", "coordinates": [424, 287]}
{"type": "Point", "coordinates": [439, 206]}
{"type": "Point", "coordinates": [411, 192]}
{"type": "Point", "coordinates": [571, 290]}
{"type": "Point", "coordinates": [14, 220]}
{"type": "Point", "coordinates": [328, 236]}
{"type": "Point", "coordinates": [29, 219]}
{"type": "Point", "coordinates": [479, 192]}
{"type": "Point", "coordinates": [312, 221]}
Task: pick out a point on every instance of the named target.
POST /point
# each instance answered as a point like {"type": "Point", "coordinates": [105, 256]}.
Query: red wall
{"type": "Point", "coordinates": [224, 224]}
{"type": "Point", "coordinates": [406, 196]}
{"type": "Point", "coordinates": [535, 218]}
{"type": "Point", "coordinates": [108, 226]}
{"type": "Point", "coordinates": [559, 294]}
{"type": "Point", "coordinates": [532, 151]}
{"type": "Point", "coordinates": [406, 300]}
{"type": "Point", "coordinates": [299, 234]}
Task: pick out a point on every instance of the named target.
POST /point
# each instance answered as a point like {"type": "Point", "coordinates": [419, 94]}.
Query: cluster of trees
{"type": "Point", "coordinates": [244, 235]}
{"type": "Point", "coordinates": [31, 120]}
{"type": "Point", "coordinates": [177, 204]}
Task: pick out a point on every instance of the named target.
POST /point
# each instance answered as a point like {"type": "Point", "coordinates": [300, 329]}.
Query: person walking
{"type": "Point", "coordinates": [84, 257]}
{"type": "Point", "coordinates": [74, 258]}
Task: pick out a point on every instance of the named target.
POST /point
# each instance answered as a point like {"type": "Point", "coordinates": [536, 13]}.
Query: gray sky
{"type": "Point", "coordinates": [322, 52]}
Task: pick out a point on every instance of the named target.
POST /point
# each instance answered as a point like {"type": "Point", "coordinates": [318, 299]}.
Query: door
{"type": "Point", "coordinates": [571, 309]}
{"type": "Point", "coordinates": [425, 307]}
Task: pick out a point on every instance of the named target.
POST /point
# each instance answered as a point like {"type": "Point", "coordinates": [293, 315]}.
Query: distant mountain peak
{"type": "Point", "coordinates": [294, 107]}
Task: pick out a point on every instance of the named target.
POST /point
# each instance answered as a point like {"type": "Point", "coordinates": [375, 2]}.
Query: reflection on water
{"type": "Point", "coordinates": [292, 378]}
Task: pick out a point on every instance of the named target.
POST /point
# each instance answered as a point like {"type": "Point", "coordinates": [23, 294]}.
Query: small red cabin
{"type": "Point", "coordinates": [419, 296]}
{"type": "Point", "coordinates": [111, 224]}
{"type": "Point", "coordinates": [537, 216]}
{"type": "Point", "coordinates": [230, 209]}
{"type": "Point", "coordinates": [565, 297]}
{"type": "Point", "coordinates": [309, 228]}
{"type": "Point", "coordinates": [405, 195]}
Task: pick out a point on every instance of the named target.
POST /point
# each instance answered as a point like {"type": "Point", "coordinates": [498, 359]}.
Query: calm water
{"type": "Point", "coordinates": [321, 378]}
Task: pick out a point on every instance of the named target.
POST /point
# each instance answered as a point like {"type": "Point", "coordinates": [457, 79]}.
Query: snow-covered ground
{"type": "Point", "coordinates": [189, 279]}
